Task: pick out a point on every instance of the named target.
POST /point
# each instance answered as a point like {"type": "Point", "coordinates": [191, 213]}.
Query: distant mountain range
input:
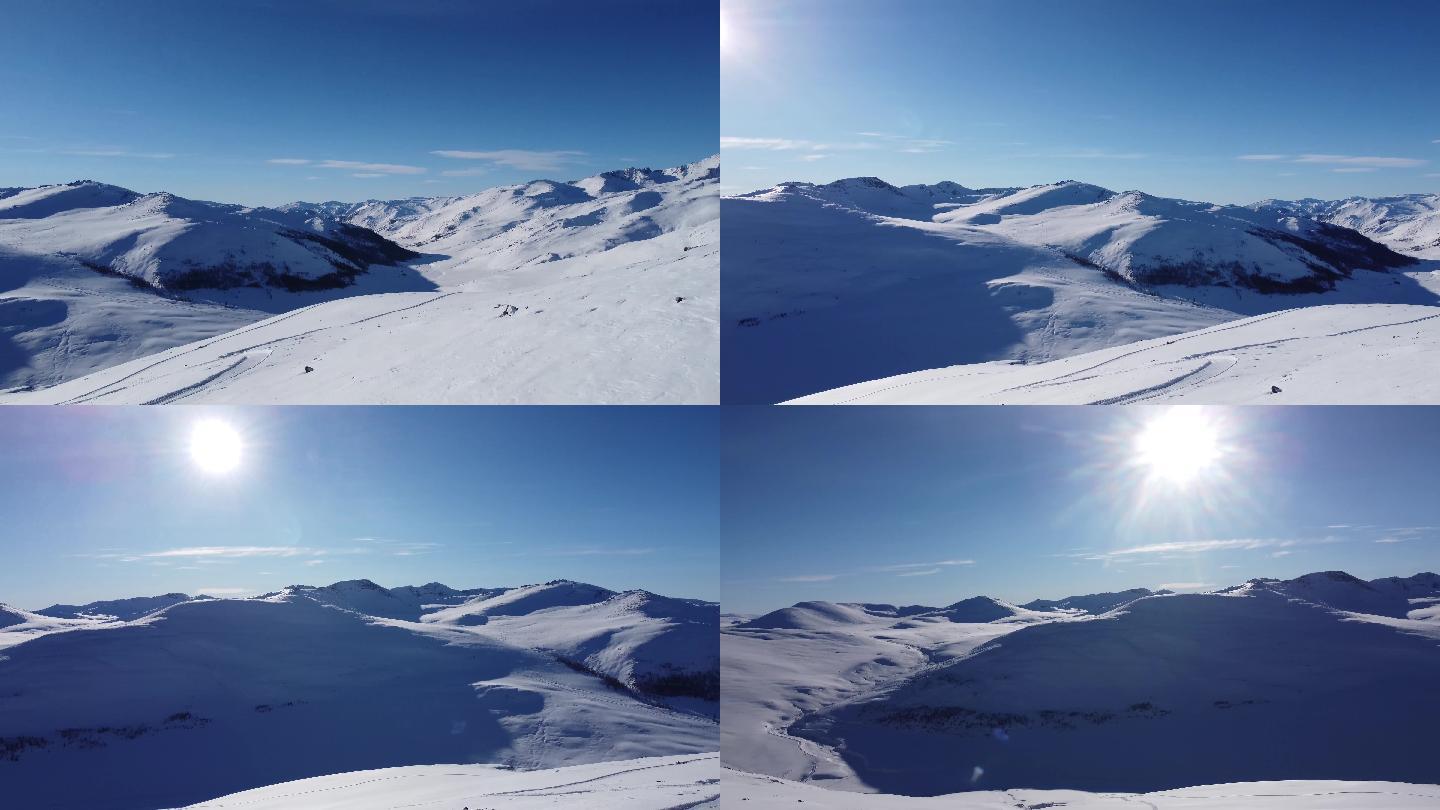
{"type": "Point", "coordinates": [313, 680]}
{"type": "Point", "coordinates": [1324, 676]}
{"type": "Point", "coordinates": [859, 280]}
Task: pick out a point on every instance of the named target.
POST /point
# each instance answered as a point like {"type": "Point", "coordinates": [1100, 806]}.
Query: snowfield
{"type": "Point", "coordinates": [1317, 678]}
{"type": "Point", "coordinates": [765, 793]}
{"type": "Point", "coordinates": [601, 290]}
{"type": "Point", "coordinates": [651, 783]}
{"type": "Point", "coordinates": [826, 286]}
{"type": "Point", "coordinates": [305, 682]}
{"type": "Point", "coordinates": [1326, 355]}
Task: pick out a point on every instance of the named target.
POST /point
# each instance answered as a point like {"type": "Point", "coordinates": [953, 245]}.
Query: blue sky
{"type": "Point", "coordinates": [933, 505]}
{"type": "Point", "coordinates": [106, 502]}
{"type": "Point", "coordinates": [1227, 101]}
{"type": "Point", "coordinates": [197, 98]}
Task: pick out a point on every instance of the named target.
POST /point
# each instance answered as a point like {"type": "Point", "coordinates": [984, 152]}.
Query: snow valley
{"type": "Point", "coordinates": [572, 682]}
{"type": "Point", "coordinates": [860, 291]}
{"type": "Point", "coordinates": [599, 290]}
{"type": "Point", "coordinates": [1076, 700]}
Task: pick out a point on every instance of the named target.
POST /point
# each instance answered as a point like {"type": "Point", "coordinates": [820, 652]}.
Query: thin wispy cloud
{"type": "Point", "coordinates": [601, 552]}
{"type": "Point", "coordinates": [235, 551]}
{"type": "Point", "coordinates": [915, 569]}
{"type": "Point", "coordinates": [1353, 170]}
{"type": "Point", "coordinates": [808, 578]}
{"type": "Point", "coordinates": [1189, 547]}
{"type": "Point", "coordinates": [1088, 154]}
{"type": "Point", "coordinates": [1352, 162]}
{"type": "Point", "coordinates": [290, 161]}
{"type": "Point", "coordinates": [360, 166]}
{"type": "Point", "coordinates": [474, 171]}
{"type": "Point", "coordinates": [1185, 586]}
{"type": "Point", "coordinates": [908, 144]}
{"type": "Point", "coordinates": [524, 159]}
{"type": "Point", "coordinates": [120, 153]}
{"type": "Point", "coordinates": [814, 156]}
{"type": "Point", "coordinates": [910, 566]}
{"type": "Point", "coordinates": [772, 144]}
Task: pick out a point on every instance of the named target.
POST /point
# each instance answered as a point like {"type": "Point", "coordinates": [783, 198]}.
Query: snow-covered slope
{"type": "Point", "coordinates": [650, 783]}
{"type": "Point", "coordinates": [1155, 242]}
{"type": "Point", "coordinates": [592, 291]}
{"type": "Point", "coordinates": [503, 229]}
{"type": "Point", "coordinates": [767, 793]}
{"type": "Point", "coordinates": [172, 244]}
{"type": "Point", "coordinates": [859, 279]}
{"type": "Point", "coordinates": [1327, 355]}
{"type": "Point", "coordinates": [1319, 677]}
{"type": "Point", "coordinates": [661, 647]}
{"type": "Point", "coordinates": [634, 325]}
{"type": "Point", "coordinates": [1165, 692]}
{"type": "Point", "coordinates": [781, 666]}
{"type": "Point", "coordinates": [1408, 224]}
{"type": "Point", "coordinates": [303, 682]}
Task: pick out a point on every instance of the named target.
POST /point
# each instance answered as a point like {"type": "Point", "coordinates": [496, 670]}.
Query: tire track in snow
{"type": "Point", "coordinates": [106, 390]}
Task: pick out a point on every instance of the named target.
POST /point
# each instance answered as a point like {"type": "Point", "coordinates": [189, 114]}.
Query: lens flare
{"type": "Point", "coordinates": [1178, 446]}
{"type": "Point", "coordinates": [215, 447]}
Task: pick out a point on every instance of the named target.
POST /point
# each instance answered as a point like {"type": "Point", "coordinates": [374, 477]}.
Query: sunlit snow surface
{"type": "Point", "coordinates": [1326, 355]}
{"type": "Point", "coordinates": [767, 793]}
{"type": "Point", "coordinates": [652, 783]}
{"type": "Point", "coordinates": [600, 290]}
{"type": "Point", "coordinates": [857, 281]}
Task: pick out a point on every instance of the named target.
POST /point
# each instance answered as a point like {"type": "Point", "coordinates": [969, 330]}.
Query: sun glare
{"type": "Point", "coordinates": [1178, 446]}
{"type": "Point", "coordinates": [215, 447]}
{"type": "Point", "coordinates": [724, 33]}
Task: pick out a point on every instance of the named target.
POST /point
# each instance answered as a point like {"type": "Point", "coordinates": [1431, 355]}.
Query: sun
{"type": "Point", "coordinates": [1178, 446]}
{"type": "Point", "coordinates": [724, 33]}
{"type": "Point", "coordinates": [215, 447]}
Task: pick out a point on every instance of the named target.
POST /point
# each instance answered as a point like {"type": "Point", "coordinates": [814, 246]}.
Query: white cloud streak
{"type": "Point", "coordinates": [361, 166]}
{"type": "Point", "coordinates": [524, 159]}
{"type": "Point", "coordinates": [1354, 162]}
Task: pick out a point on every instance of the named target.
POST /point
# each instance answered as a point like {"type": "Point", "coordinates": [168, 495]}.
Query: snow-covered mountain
{"type": "Point", "coordinates": [1095, 603]}
{"type": "Point", "coordinates": [647, 783]}
{"type": "Point", "coordinates": [172, 244]}
{"type": "Point", "coordinates": [1319, 677]}
{"type": "Point", "coordinates": [603, 289]}
{"type": "Point", "coordinates": [1344, 354]}
{"type": "Point", "coordinates": [768, 793]}
{"type": "Point", "coordinates": [319, 680]}
{"type": "Point", "coordinates": [857, 280]}
{"type": "Point", "coordinates": [1408, 224]}
{"type": "Point", "coordinates": [122, 609]}
{"type": "Point", "coordinates": [657, 646]}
